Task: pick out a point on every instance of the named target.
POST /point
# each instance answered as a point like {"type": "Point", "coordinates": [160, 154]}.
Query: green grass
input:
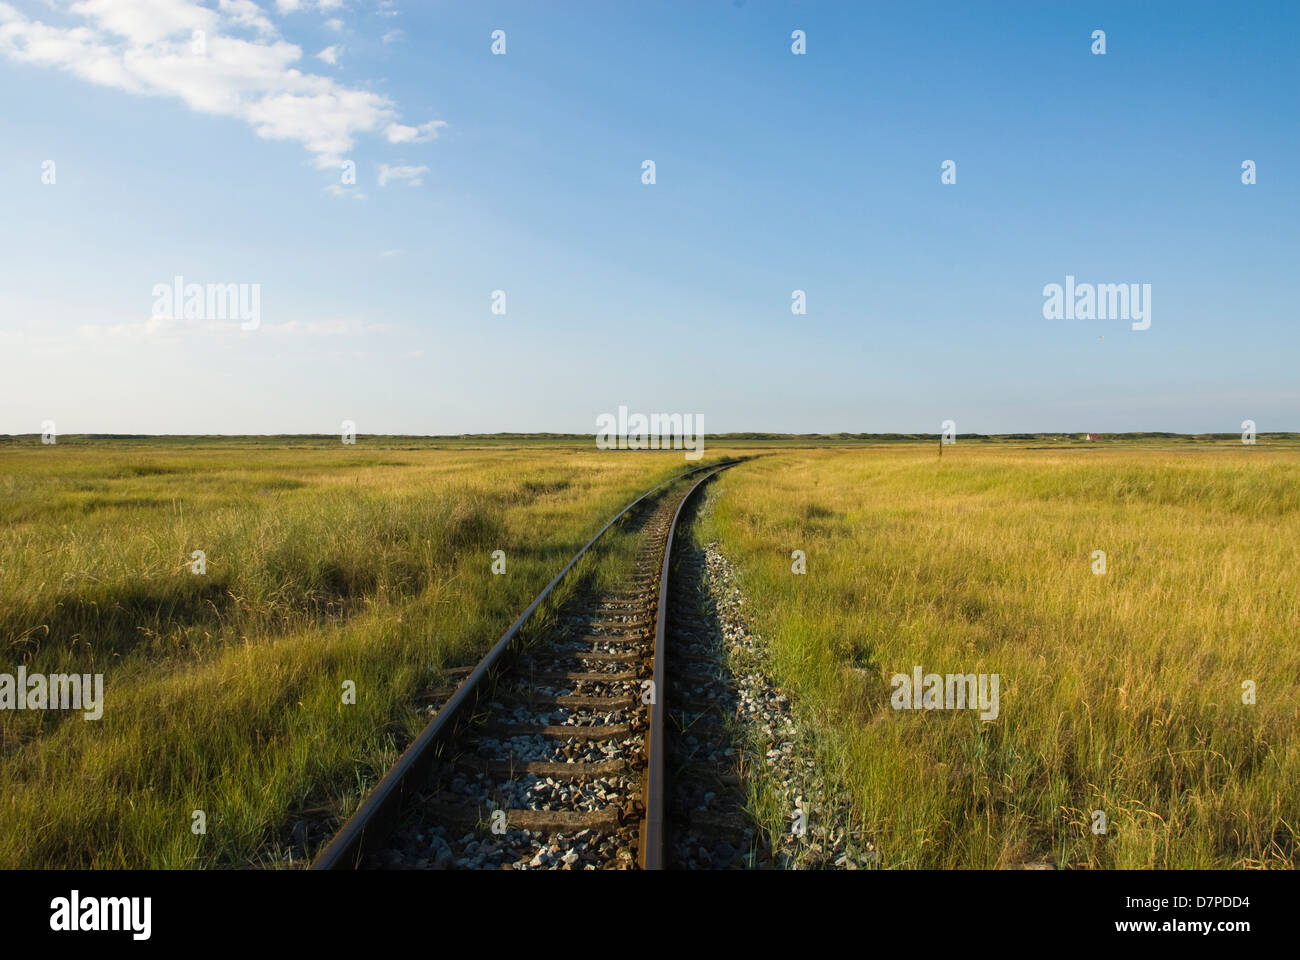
{"type": "Point", "coordinates": [223, 691]}
{"type": "Point", "coordinates": [371, 563]}
{"type": "Point", "coordinates": [1120, 692]}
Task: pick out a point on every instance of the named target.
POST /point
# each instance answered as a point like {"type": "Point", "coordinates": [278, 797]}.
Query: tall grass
{"type": "Point", "coordinates": [223, 691]}
{"type": "Point", "coordinates": [1119, 692]}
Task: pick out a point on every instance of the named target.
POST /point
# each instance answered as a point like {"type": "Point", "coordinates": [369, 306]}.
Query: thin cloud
{"type": "Point", "coordinates": [164, 328]}
{"type": "Point", "coordinates": [413, 175]}
{"type": "Point", "coordinates": [293, 6]}
{"type": "Point", "coordinates": [399, 133]}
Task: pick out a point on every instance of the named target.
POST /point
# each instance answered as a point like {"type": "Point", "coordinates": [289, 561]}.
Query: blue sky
{"type": "Point", "coordinates": [522, 173]}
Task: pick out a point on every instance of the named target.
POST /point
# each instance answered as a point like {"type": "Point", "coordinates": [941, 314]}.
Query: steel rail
{"type": "Point", "coordinates": [653, 837]}
{"type": "Point", "coordinates": [349, 846]}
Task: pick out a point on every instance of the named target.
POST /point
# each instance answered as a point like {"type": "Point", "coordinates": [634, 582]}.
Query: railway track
{"type": "Point", "coordinates": [551, 755]}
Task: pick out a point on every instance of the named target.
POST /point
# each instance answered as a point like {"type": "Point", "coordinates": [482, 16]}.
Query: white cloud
{"type": "Point", "coordinates": [146, 47]}
{"type": "Point", "coordinates": [246, 13]}
{"type": "Point", "coordinates": [141, 22]}
{"type": "Point", "coordinates": [337, 190]}
{"type": "Point", "coordinates": [398, 133]}
{"type": "Point", "coordinates": [389, 253]}
{"type": "Point", "coordinates": [334, 23]}
{"type": "Point", "coordinates": [293, 6]}
{"type": "Point", "coordinates": [392, 35]}
{"type": "Point", "coordinates": [415, 175]}
{"type": "Point", "coordinates": [331, 55]}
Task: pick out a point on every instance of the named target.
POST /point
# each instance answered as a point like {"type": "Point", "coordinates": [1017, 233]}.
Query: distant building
{"type": "Point", "coordinates": [1092, 436]}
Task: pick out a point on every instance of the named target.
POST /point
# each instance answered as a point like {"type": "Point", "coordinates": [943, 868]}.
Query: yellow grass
{"type": "Point", "coordinates": [223, 692]}
{"type": "Point", "coordinates": [1119, 692]}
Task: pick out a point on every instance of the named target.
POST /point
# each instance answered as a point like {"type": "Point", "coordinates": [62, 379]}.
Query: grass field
{"type": "Point", "coordinates": [223, 691]}
{"type": "Point", "coordinates": [1120, 692]}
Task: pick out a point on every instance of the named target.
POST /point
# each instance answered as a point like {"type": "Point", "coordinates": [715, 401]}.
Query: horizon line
{"type": "Point", "coordinates": [735, 434]}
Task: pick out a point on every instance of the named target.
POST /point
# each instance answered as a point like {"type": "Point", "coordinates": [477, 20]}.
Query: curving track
{"type": "Point", "coordinates": [552, 756]}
